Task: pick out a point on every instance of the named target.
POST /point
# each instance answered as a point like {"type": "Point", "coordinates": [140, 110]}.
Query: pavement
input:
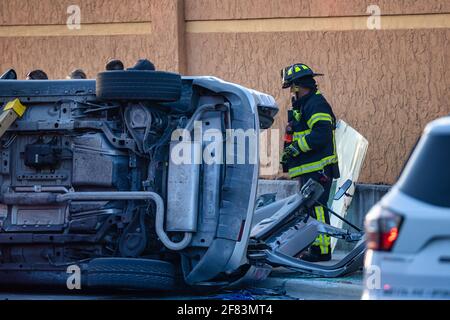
{"type": "Point", "coordinates": [283, 284]}
{"type": "Point", "coordinates": [304, 287]}
{"type": "Point", "coordinates": [277, 287]}
{"type": "Point", "coordinates": [298, 285]}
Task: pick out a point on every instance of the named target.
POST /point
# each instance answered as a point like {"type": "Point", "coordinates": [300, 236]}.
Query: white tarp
{"type": "Point", "coordinates": [351, 149]}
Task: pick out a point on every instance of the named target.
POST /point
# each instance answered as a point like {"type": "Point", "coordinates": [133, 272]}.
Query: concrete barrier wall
{"type": "Point", "coordinates": [366, 195]}
{"type": "Point", "coordinates": [385, 83]}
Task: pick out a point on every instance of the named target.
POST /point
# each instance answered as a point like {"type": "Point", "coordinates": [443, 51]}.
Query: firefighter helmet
{"type": "Point", "coordinates": [294, 72]}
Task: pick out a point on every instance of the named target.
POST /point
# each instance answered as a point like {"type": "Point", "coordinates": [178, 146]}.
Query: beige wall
{"type": "Point", "coordinates": [33, 35]}
{"type": "Point", "coordinates": [386, 83]}
{"type": "Point", "coordinates": [381, 84]}
{"type": "Point", "coordinates": [38, 12]}
{"type": "Point", "coordinates": [57, 56]}
{"type": "Point", "coordinates": [251, 9]}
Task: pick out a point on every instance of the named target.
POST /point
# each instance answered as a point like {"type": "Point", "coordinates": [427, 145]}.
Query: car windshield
{"type": "Point", "coordinates": [427, 175]}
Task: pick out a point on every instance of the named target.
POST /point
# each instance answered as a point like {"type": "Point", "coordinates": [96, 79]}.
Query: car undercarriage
{"type": "Point", "coordinates": [88, 179]}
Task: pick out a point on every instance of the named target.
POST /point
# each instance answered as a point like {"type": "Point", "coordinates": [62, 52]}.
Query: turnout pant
{"type": "Point", "coordinates": [322, 243]}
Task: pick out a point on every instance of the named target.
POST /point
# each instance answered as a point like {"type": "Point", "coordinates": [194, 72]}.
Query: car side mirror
{"type": "Point", "coordinates": [343, 190]}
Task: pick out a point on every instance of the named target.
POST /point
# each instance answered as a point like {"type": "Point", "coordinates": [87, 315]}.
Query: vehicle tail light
{"type": "Point", "coordinates": [382, 228]}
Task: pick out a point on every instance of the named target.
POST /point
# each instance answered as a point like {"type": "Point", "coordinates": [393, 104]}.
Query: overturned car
{"type": "Point", "coordinates": [88, 180]}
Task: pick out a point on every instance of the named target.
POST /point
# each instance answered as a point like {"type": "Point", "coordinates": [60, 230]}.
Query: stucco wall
{"type": "Point", "coordinates": [58, 56]}
{"type": "Point", "coordinates": [38, 12]}
{"type": "Point", "coordinates": [386, 83]}
{"type": "Point", "coordinates": [65, 50]}
{"type": "Point", "coordinates": [251, 9]}
{"type": "Point", "coordinates": [379, 82]}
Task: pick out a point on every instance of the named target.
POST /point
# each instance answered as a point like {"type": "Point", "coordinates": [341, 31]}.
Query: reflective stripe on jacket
{"type": "Point", "coordinates": [314, 131]}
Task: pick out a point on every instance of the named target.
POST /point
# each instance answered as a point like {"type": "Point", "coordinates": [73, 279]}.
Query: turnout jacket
{"type": "Point", "coordinates": [314, 125]}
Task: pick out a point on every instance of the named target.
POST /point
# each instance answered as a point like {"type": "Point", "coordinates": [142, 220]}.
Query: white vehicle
{"type": "Point", "coordinates": [408, 231]}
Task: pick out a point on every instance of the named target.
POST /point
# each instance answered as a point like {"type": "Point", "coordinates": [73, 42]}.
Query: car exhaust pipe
{"type": "Point", "coordinates": [40, 198]}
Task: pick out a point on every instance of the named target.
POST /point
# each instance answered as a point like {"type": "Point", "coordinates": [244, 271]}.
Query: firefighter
{"type": "Point", "coordinates": [312, 152]}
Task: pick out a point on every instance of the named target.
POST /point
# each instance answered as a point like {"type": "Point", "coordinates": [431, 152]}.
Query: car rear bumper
{"type": "Point", "coordinates": [389, 275]}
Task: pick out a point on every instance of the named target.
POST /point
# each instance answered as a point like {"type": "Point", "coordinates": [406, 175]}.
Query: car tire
{"type": "Point", "coordinates": [139, 85]}
{"type": "Point", "coordinates": [135, 274]}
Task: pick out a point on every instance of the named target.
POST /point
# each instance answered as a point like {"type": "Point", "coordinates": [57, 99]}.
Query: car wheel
{"type": "Point", "coordinates": [138, 274]}
{"type": "Point", "coordinates": [139, 85]}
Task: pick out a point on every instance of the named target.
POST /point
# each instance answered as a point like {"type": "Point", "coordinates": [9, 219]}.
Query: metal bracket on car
{"type": "Point", "coordinates": [201, 110]}
{"type": "Point", "coordinates": [281, 256]}
{"type": "Point", "coordinates": [277, 240]}
{"type": "Point", "coordinates": [350, 263]}
{"type": "Point", "coordinates": [118, 142]}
